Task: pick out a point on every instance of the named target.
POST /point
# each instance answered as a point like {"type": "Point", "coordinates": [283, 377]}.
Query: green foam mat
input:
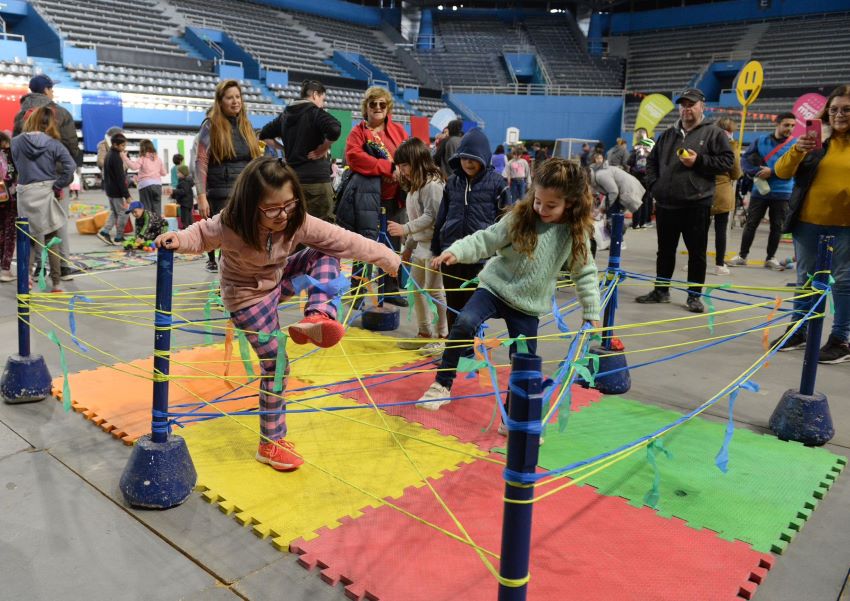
{"type": "Point", "coordinates": [769, 491]}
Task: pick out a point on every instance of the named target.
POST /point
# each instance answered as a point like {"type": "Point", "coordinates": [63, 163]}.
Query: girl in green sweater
{"type": "Point", "coordinates": [527, 247]}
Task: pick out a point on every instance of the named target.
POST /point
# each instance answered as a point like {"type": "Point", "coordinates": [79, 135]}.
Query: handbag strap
{"type": "Point", "coordinates": [777, 149]}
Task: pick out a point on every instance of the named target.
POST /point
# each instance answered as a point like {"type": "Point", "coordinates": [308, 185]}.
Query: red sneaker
{"type": "Point", "coordinates": [279, 454]}
{"type": "Point", "coordinates": [317, 328]}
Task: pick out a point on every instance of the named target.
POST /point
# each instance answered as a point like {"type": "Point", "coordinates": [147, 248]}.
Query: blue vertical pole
{"type": "Point", "coordinates": [386, 239]}
{"type": "Point", "coordinates": [525, 406]}
{"type": "Point", "coordinates": [617, 220]}
{"type": "Point", "coordinates": [22, 242]}
{"type": "Point", "coordinates": [162, 344]}
{"type": "Point", "coordinates": [815, 325]}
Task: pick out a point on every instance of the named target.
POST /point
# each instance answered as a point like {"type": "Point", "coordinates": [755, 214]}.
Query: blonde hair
{"type": "Point", "coordinates": [221, 139]}
{"type": "Point", "coordinates": [726, 124]}
{"type": "Point", "coordinates": [376, 93]}
{"type": "Point", "coordinates": [572, 182]}
{"type": "Point", "coordinates": [42, 119]}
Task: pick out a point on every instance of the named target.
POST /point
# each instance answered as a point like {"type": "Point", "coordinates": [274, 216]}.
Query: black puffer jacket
{"type": "Point", "coordinates": [221, 177]}
{"type": "Point", "coordinates": [359, 209]}
{"type": "Point", "coordinates": [64, 121]}
{"type": "Point", "coordinates": [469, 205]}
{"type": "Point", "coordinates": [675, 186]}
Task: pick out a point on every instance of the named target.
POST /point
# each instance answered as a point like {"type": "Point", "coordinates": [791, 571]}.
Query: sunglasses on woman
{"type": "Point", "coordinates": [375, 104]}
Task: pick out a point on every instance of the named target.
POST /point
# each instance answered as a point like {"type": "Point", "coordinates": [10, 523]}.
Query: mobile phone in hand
{"type": "Point", "coordinates": [814, 127]}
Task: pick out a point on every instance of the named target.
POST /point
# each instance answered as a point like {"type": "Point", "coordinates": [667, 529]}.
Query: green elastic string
{"type": "Point", "coordinates": [66, 386]}
{"type": "Point", "coordinates": [654, 494]}
{"type": "Point", "coordinates": [596, 338]}
{"type": "Point", "coordinates": [42, 284]}
{"type": "Point", "coordinates": [470, 282]}
{"type": "Point", "coordinates": [213, 298]}
{"type": "Point", "coordinates": [469, 365]}
{"type": "Point", "coordinates": [586, 367]}
{"type": "Point", "coordinates": [831, 281]}
{"type": "Point", "coordinates": [280, 360]}
{"type": "Point", "coordinates": [709, 303]}
{"type": "Point", "coordinates": [410, 286]}
{"type": "Point", "coordinates": [521, 343]}
{"type": "Point", "coordinates": [245, 352]}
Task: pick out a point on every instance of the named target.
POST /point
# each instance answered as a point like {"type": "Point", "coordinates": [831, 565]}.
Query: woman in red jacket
{"type": "Point", "coordinates": [369, 151]}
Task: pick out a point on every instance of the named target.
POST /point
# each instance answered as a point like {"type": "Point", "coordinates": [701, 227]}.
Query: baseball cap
{"type": "Point", "coordinates": [692, 94]}
{"type": "Point", "coordinates": [39, 83]}
{"type": "Point", "coordinates": [134, 205]}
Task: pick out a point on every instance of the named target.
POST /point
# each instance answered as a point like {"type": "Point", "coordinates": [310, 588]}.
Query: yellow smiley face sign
{"type": "Point", "coordinates": [750, 81]}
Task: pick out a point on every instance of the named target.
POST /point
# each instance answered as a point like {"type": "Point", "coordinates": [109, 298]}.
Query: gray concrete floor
{"type": "Point", "coordinates": [65, 530]}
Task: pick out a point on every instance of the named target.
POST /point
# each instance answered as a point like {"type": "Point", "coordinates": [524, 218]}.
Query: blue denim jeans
{"type": "Point", "coordinates": [806, 248]}
{"type": "Point", "coordinates": [482, 306]}
{"type": "Point", "coordinates": [518, 188]}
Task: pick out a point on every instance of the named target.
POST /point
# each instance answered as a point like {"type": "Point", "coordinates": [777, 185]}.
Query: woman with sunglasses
{"type": "Point", "coordinates": [820, 205]}
{"type": "Point", "coordinates": [369, 153]}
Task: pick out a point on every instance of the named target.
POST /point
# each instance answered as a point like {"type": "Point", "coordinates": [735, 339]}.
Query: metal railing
{"type": "Point", "coordinates": [532, 89]}
{"type": "Point", "coordinates": [205, 22]}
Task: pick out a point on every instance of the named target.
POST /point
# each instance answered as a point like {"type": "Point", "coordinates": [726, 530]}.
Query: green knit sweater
{"type": "Point", "coordinates": [528, 284]}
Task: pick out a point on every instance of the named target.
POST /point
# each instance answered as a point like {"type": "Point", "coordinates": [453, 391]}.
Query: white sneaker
{"type": "Point", "coordinates": [432, 349]}
{"type": "Point", "coordinates": [6, 276]}
{"type": "Point", "coordinates": [721, 270]}
{"type": "Point", "coordinates": [773, 264]}
{"type": "Point", "coordinates": [435, 397]}
{"type": "Point", "coordinates": [737, 261]}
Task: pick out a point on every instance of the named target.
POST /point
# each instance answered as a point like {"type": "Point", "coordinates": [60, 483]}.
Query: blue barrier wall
{"type": "Point", "coordinates": [719, 12]}
{"type": "Point", "coordinates": [522, 64]}
{"type": "Point", "coordinates": [10, 49]}
{"type": "Point", "coordinates": [72, 55]}
{"type": "Point", "coordinates": [548, 117]}
{"type": "Point", "coordinates": [42, 39]}
{"type": "Point", "coordinates": [333, 9]}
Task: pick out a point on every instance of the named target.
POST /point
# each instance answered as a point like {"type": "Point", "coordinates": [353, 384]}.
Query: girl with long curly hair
{"type": "Point", "coordinates": [550, 226]}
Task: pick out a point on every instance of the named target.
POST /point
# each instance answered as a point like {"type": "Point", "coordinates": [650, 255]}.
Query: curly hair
{"type": "Point", "coordinates": [571, 182]}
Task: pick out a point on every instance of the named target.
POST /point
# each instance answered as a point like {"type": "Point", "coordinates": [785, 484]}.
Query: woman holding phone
{"type": "Point", "coordinates": [820, 205]}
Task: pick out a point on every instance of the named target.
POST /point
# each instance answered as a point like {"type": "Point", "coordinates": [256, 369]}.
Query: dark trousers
{"type": "Point", "coordinates": [482, 306]}
{"type": "Point", "coordinates": [691, 224]}
{"type": "Point", "coordinates": [151, 199]}
{"type": "Point", "coordinates": [721, 224]}
{"type": "Point", "coordinates": [755, 213]}
{"type": "Point", "coordinates": [644, 214]}
{"type": "Point", "coordinates": [185, 216]}
{"type": "Point", "coordinates": [453, 277]}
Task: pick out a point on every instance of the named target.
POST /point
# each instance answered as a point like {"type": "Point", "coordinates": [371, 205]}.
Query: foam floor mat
{"type": "Point", "coordinates": [584, 547]}
{"type": "Point", "coordinates": [351, 462]}
{"type": "Point", "coordinates": [759, 500]}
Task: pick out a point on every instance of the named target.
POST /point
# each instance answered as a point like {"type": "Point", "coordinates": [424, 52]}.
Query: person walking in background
{"type": "Point", "coordinates": [226, 144]}
{"type": "Point", "coordinates": [680, 174]}
{"type": "Point", "coordinates": [618, 155]}
{"type": "Point", "coordinates": [636, 165]}
{"type": "Point", "coordinates": [150, 173]}
{"type": "Point", "coordinates": [44, 167]}
{"type": "Point", "coordinates": [518, 175]}
{"type": "Point", "coordinates": [115, 186]}
{"type": "Point", "coordinates": [724, 200]}
{"type": "Point", "coordinates": [176, 161]}
{"type": "Point", "coordinates": [770, 192]}
{"type": "Point", "coordinates": [820, 205]}
{"type": "Point", "coordinates": [308, 131]}
{"type": "Point", "coordinates": [499, 161]}
{"type": "Point", "coordinates": [184, 196]}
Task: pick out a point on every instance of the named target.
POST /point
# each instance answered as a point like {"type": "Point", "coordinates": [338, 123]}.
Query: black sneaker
{"type": "Point", "coordinates": [797, 340]}
{"type": "Point", "coordinates": [834, 351]}
{"type": "Point", "coordinates": [105, 238]}
{"type": "Point", "coordinates": [397, 300]}
{"type": "Point", "coordinates": [211, 266]}
{"type": "Point", "coordinates": [68, 273]}
{"type": "Point", "coordinates": [656, 296]}
{"type": "Point", "coordinates": [694, 304]}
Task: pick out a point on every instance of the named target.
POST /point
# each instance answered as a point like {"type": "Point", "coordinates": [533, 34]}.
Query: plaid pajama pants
{"type": "Point", "coordinates": [262, 317]}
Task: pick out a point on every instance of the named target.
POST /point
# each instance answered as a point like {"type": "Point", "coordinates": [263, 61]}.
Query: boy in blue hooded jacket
{"type": "Point", "coordinates": [473, 199]}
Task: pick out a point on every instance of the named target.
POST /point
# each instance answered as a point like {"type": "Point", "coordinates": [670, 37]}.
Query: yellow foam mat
{"type": "Point", "coordinates": [286, 506]}
{"type": "Point", "coordinates": [369, 352]}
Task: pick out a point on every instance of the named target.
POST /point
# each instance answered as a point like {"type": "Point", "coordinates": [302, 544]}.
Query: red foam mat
{"type": "Point", "coordinates": [463, 418]}
{"type": "Point", "coordinates": [585, 547]}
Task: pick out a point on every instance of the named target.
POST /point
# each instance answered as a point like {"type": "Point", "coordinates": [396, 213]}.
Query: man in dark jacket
{"type": "Point", "coordinates": [308, 131]}
{"type": "Point", "coordinates": [680, 174]}
{"type": "Point", "coordinates": [41, 88]}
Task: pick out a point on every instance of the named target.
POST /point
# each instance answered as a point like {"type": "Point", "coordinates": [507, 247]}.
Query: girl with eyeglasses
{"type": "Point", "coordinates": [820, 205]}
{"type": "Point", "coordinates": [264, 221]}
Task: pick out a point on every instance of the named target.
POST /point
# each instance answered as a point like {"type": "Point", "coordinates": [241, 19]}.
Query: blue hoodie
{"type": "Point", "coordinates": [469, 205]}
{"type": "Point", "coordinates": [36, 154]}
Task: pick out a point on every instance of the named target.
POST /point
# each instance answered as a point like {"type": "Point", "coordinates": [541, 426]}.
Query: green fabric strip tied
{"type": "Point", "coordinates": [652, 496]}
{"type": "Point", "coordinates": [245, 352]}
{"type": "Point", "coordinates": [280, 360]}
{"type": "Point", "coordinates": [42, 284]}
{"type": "Point", "coordinates": [63, 363]}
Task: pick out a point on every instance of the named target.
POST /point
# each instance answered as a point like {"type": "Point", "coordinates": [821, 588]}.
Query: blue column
{"type": "Point", "coordinates": [23, 245]}
{"type": "Point", "coordinates": [525, 406]}
{"type": "Point", "coordinates": [617, 220]}
{"type": "Point", "coordinates": [162, 343]}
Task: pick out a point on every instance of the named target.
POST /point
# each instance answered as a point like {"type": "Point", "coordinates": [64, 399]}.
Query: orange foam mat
{"type": "Point", "coordinates": [118, 398]}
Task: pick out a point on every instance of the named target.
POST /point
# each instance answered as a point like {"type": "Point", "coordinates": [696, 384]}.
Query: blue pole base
{"type": "Point", "coordinates": [803, 418]}
{"type": "Point", "coordinates": [381, 319]}
{"type": "Point", "coordinates": [158, 475]}
{"type": "Point", "coordinates": [25, 380]}
{"type": "Point", "coordinates": [616, 383]}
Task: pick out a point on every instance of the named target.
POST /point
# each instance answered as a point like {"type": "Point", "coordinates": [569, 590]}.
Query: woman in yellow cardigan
{"type": "Point", "coordinates": [820, 204]}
